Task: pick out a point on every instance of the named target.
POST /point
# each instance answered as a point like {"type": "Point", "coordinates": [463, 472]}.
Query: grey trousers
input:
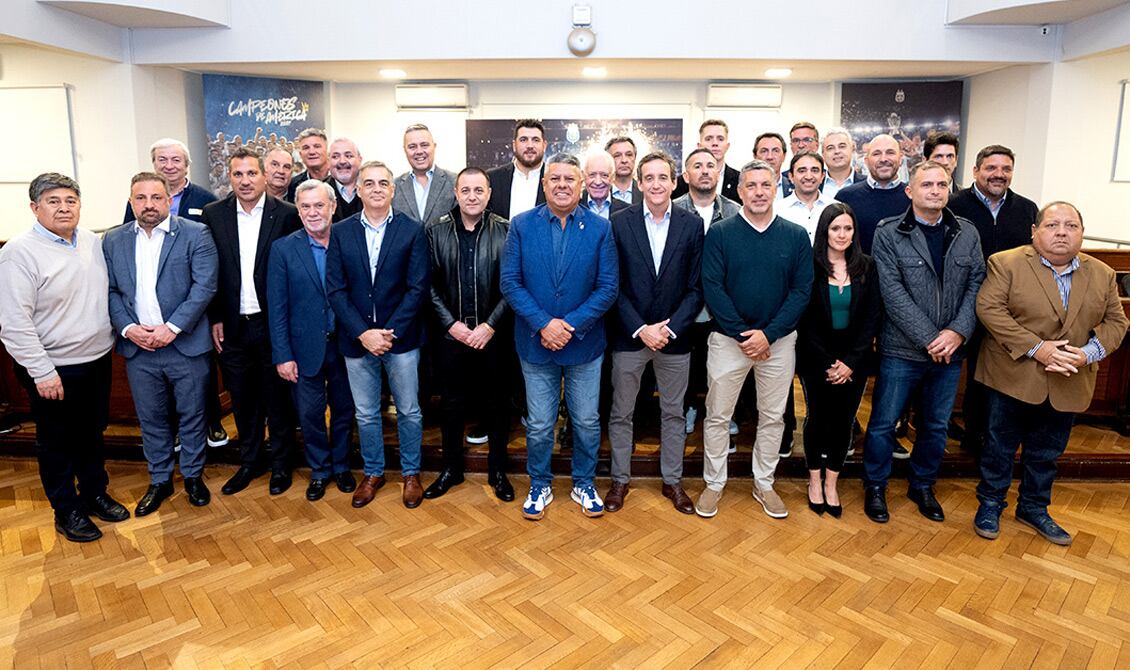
{"type": "Point", "coordinates": [153, 376]}
{"type": "Point", "coordinates": [671, 374]}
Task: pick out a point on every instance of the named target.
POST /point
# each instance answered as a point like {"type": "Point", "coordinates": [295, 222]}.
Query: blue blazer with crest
{"type": "Point", "coordinates": [579, 289]}
{"type": "Point", "coordinates": [186, 281]}
{"type": "Point", "coordinates": [393, 297]}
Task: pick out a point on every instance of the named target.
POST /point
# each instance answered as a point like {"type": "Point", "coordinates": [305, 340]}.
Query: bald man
{"type": "Point", "coordinates": [881, 195]}
{"type": "Point", "coordinates": [345, 164]}
{"type": "Point", "coordinates": [599, 168]}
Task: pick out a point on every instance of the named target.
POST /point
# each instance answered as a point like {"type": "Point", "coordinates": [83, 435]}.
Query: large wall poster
{"type": "Point", "coordinates": [261, 112]}
{"type": "Point", "coordinates": [489, 142]}
{"type": "Point", "coordinates": [907, 110]}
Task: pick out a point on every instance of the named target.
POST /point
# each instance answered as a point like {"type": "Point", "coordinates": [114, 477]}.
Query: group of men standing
{"type": "Point", "coordinates": [312, 290]}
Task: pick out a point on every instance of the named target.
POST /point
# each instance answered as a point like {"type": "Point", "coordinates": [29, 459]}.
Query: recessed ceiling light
{"type": "Point", "coordinates": [393, 73]}
{"type": "Point", "coordinates": [778, 72]}
{"type": "Point", "coordinates": [595, 72]}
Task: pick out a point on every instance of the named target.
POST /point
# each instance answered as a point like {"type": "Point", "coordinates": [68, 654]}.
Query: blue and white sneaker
{"type": "Point", "coordinates": [536, 502]}
{"type": "Point", "coordinates": [589, 500]}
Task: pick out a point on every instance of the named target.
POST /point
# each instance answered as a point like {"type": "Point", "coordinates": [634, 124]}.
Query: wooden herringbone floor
{"type": "Point", "coordinates": [255, 581]}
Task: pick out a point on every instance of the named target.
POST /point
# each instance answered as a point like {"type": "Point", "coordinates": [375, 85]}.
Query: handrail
{"type": "Point", "coordinates": [1107, 240]}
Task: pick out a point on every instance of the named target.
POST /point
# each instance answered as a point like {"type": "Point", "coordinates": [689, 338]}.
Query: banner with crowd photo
{"type": "Point", "coordinates": [490, 142]}
{"type": "Point", "coordinates": [260, 112]}
{"type": "Point", "coordinates": [909, 111]}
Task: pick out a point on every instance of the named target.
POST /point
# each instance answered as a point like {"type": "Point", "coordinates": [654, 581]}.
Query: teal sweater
{"type": "Point", "coordinates": [756, 281]}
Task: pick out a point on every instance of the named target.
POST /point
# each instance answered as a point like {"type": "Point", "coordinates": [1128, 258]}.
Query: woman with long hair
{"type": "Point", "coordinates": [835, 350]}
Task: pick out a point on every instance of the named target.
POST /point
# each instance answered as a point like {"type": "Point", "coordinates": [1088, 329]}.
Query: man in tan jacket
{"type": "Point", "coordinates": [1052, 314]}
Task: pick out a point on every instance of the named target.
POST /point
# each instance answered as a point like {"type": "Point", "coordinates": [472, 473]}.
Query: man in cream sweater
{"type": "Point", "coordinates": [55, 323]}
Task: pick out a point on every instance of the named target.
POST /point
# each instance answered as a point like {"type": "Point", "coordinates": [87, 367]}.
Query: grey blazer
{"type": "Point", "coordinates": [441, 196]}
{"type": "Point", "coordinates": [186, 282]}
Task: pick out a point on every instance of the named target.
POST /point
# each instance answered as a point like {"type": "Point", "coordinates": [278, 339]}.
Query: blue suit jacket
{"type": "Point", "coordinates": [579, 290]}
{"type": "Point", "coordinates": [394, 298]}
{"type": "Point", "coordinates": [192, 202]}
{"type": "Point", "coordinates": [186, 282]}
{"type": "Point", "coordinates": [299, 308]}
{"type": "Point", "coordinates": [645, 297]}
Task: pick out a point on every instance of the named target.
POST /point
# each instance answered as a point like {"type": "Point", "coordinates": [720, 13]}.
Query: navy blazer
{"type": "Point", "coordinates": [192, 201]}
{"type": "Point", "coordinates": [279, 219]}
{"type": "Point", "coordinates": [186, 282]}
{"type": "Point", "coordinates": [394, 298]}
{"type": "Point", "coordinates": [579, 290]}
{"type": "Point", "coordinates": [299, 307]}
{"type": "Point", "coordinates": [674, 293]}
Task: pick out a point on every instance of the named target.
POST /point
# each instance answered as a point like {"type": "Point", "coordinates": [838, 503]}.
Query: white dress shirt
{"type": "Point", "coordinates": [247, 225]}
{"type": "Point", "coordinates": [374, 237]}
{"type": "Point", "coordinates": [147, 258]}
{"type": "Point", "coordinates": [793, 209]}
{"type": "Point", "coordinates": [524, 190]}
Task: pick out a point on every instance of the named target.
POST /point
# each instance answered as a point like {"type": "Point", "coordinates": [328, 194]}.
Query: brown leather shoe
{"type": "Point", "coordinates": [368, 488]}
{"type": "Point", "coordinates": [614, 500]}
{"type": "Point", "coordinates": [679, 498]}
{"type": "Point", "coordinates": [413, 492]}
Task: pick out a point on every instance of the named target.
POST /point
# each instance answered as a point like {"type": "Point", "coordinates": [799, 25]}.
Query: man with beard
{"type": "Point", "coordinates": [516, 187]}
{"type": "Point", "coordinates": [559, 275]}
{"type": "Point", "coordinates": [624, 186]}
{"type": "Point", "coordinates": [345, 159]}
{"type": "Point", "coordinates": [279, 168]}
{"type": "Point", "coordinates": [805, 204]}
{"type": "Point", "coordinates": [881, 195]}
{"type": "Point", "coordinates": [425, 191]}
{"type": "Point", "coordinates": [839, 152]}
{"type": "Point", "coordinates": [313, 147]}
{"type": "Point", "coordinates": [304, 340]}
{"type": "Point", "coordinates": [714, 136]}
{"type": "Point", "coordinates": [1004, 220]}
{"type": "Point", "coordinates": [162, 272]}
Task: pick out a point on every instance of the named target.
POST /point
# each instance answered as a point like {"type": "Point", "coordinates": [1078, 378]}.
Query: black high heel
{"type": "Point", "coordinates": [834, 511]}
{"type": "Point", "coordinates": [817, 507]}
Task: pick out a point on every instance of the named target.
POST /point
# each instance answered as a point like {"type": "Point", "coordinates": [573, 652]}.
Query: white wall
{"type": "Point", "coordinates": [367, 113]}
{"type": "Point", "coordinates": [1084, 102]}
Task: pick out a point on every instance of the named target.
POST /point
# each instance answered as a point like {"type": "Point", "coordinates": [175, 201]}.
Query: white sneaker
{"type": "Point", "coordinates": [536, 502]}
{"type": "Point", "coordinates": [589, 500]}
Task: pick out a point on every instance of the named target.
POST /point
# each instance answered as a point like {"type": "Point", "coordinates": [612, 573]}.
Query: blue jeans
{"type": "Point", "coordinates": [1042, 430]}
{"type": "Point", "coordinates": [582, 395]}
{"type": "Point", "coordinates": [896, 383]}
{"type": "Point", "coordinates": [365, 383]}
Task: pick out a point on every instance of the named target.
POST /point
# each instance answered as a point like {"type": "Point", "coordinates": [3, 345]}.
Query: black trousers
{"type": "Point", "coordinates": [259, 396]}
{"type": "Point", "coordinates": [475, 385]}
{"type": "Point", "coordinates": [68, 433]}
{"type": "Point", "coordinates": [975, 402]}
{"type": "Point", "coordinates": [831, 413]}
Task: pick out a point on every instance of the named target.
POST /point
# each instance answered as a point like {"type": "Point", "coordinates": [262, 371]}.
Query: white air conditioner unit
{"type": "Point", "coordinates": [743, 95]}
{"type": "Point", "coordinates": [431, 96]}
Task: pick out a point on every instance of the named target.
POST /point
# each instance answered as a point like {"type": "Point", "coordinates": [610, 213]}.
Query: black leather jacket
{"type": "Point", "coordinates": [447, 289]}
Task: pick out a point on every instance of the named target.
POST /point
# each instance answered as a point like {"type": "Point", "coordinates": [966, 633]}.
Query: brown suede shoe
{"type": "Point", "coordinates": [368, 488]}
{"type": "Point", "coordinates": [678, 496]}
{"type": "Point", "coordinates": [413, 492]}
{"type": "Point", "coordinates": [614, 500]}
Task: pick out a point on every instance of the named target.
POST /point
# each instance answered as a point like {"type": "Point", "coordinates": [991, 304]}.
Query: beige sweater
{"type": "Point", "coordinates": [53, 302]}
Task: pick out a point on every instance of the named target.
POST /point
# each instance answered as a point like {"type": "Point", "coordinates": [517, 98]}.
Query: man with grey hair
{"type": "Point", "coordinates": [425, 192]}
{"type": "Point", "coordinates": [756, 278]}
{"type": "Point", "coordinates": [171, 159]}
{"type": "Point", "coordinates": [162, 273]}
{"type": "Point", "coordinates": [345, 161]}
{"type": "Point", "coordinates": [304, 344]}
{"type": "Point", "coordinates": [55, 324]}
{"type": "Point", "coordinates": [838, 150]}
{"type": "Point", "coordinates": [560, 275]}
{"type": "Point", "coordinates": [598, 169]}
{"type": "Point", "coordinates": [313, 151]}
{"type": "Point", "coordinates": [278, 165]}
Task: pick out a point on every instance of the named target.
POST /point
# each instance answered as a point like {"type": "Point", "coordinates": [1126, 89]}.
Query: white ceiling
{"type": "Point", "coordinates": [1021, 13]}
{"type": "Point", "coordinates": [136, 15]}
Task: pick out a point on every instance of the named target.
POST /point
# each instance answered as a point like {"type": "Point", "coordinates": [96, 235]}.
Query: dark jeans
{"type": "Point", "coordinates": [68, 433]}
{"type": "Point", "coordinates": [475, 385]}
{"type": "Point", "coordinates": [1042, 430]}
{"type": "Point", "coordinates": [259, 396]}
{"type": "Point", "coordinates": [829, 418]}
{"type": "Point", "coordinates": [896, 383]}
{"type": "Point", "coordinates": [327, 452]}
{"type": "Point", "coordinates": [974, 404]}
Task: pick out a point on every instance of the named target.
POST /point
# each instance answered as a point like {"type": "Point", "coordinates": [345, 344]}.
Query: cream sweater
{"type": "Point", "coordinates": [54, 302]}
